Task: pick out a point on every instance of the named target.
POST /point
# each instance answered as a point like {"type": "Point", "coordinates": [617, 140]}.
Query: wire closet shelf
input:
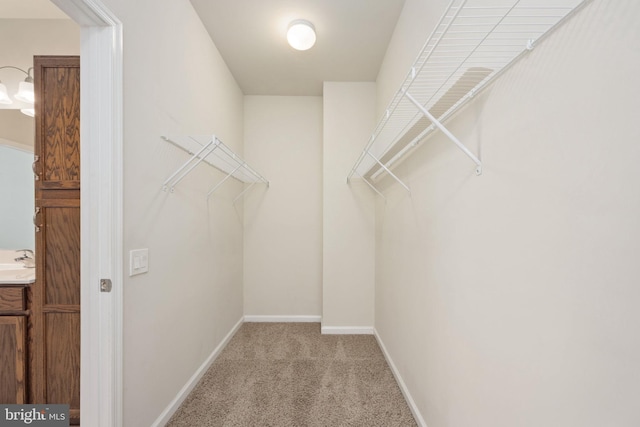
{"type": "Point", "coordinates": [210, 150]}
{"type": "Point", "coordinates": [474, 41]}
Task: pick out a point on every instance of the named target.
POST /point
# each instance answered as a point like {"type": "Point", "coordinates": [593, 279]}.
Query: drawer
{"type": "Point", "coordinates": [11, 299]}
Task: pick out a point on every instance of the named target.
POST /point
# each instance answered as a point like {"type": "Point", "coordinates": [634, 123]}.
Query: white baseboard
{"type": "Point", "coordinates": [403, 387]}
{"type": "Point", "coordinates": [282, 319]}
{"type": "Point", "coordinates": [347, 330]}
{"type": "Point", "coordinates": [193, 381]}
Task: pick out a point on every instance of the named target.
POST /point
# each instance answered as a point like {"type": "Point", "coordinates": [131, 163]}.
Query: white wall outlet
{"type": "Point", "coordinates": [138, 261]}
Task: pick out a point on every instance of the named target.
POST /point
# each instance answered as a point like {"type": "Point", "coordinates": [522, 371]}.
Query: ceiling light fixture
{"type": "Point", "coordinates": [301, 34]}
{"type": "Point", "coordinates": [25, 90]}
{"type": "Point", "coordinates": [4, 96]}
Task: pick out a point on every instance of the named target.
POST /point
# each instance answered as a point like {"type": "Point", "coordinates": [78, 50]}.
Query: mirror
{"type": "Point", "coordinates": [22, 35]}
{"type": "Point", "coordinates": [17, 135]}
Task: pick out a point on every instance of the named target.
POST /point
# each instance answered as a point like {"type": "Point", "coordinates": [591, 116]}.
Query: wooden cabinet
{"type": "Point", "coordinates": [54, 300]}
{"type": "Point", "coordinates": [12, 345]}
{"type": "Point", "coordinates": [40, 322]}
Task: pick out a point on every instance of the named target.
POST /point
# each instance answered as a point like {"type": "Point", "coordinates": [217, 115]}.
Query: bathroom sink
{"type": "Point", "coordinates": [16, 274]}
{"type": "Point", "coordinates": [12, 266]}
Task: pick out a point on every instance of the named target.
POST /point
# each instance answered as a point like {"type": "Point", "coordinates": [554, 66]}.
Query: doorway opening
{"type": "Point", "coordinates": [101, 210]}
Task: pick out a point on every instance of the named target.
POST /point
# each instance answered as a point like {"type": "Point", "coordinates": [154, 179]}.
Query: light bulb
{"type": "Point", "coordinates": [4, 96]}
{"type": "Point", "coordinates": [301, 34]}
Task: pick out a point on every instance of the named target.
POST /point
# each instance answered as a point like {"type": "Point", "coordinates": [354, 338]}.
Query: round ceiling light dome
{"type": "Point", "coordinates": [301, 34]}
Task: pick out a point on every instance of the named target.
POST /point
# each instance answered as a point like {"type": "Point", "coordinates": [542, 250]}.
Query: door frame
{"type": "Point", "coordinates": [101, 202]}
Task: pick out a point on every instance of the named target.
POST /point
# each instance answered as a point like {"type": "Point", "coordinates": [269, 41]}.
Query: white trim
{"type": "Point", "coordinates": [347, 330]}
{"type": "Point", "coordinates": [166, 415]}
{"type": "Point", "coordinates": [282, 319]}
{"type": "Point", "coordinates": [403, 387]}
{"type": "Point", "coordinates": [101, 228]}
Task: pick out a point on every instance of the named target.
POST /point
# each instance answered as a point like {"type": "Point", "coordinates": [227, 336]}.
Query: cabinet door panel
{"type": "Point", "coordinates": [62, 255]}
{"type": "Point", "coordinates": [12, 359]}
{"type": "Point", "coordinates": [60, 127]}
{"type": "Point", "coordinates": [62, 339]}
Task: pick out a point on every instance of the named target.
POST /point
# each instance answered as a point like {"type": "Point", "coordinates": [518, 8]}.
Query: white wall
{"type": "Point", "coordinates": [283, 227]}
{"type": "Point", "coordinates": [511, 299]}
{"type": "Point", "coordinates": [175, 82]}
{"type": "Point", "coordinates": [21, 39]}
{"type": "Point", "coordinates": [415, 24]}
{"type": "Point", "coordinates": [348, 271]}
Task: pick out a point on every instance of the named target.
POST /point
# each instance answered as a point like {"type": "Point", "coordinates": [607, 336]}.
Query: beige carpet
{"type": "Point", "coordinates": [288, 374]}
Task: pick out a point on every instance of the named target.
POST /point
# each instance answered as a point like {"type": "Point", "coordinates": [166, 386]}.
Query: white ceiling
{"type": "Point", "coordinates": [251, 36]}
{"type": "Point", "coordinates": [30, 9]}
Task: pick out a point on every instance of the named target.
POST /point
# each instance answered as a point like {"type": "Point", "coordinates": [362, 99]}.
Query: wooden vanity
{"type": "Point", "coordinates": [13, 342]}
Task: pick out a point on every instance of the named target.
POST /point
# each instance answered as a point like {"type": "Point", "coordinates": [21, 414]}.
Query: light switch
{"type": "Point", "coordinates": [138, 261]}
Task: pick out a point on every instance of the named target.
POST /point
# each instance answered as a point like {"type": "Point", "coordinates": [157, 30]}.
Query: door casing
{"type": "Point", "coordinates": [101, 230]}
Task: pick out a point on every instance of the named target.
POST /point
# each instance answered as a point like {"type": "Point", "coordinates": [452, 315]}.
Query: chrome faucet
{"type": "Point", "coordinates": [27, 258]}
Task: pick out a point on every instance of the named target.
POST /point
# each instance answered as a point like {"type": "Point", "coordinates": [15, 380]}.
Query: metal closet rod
{"type": "Point", "coordinates": [410, 77]}
{"type": "Point", "coordinates": [504, 34]}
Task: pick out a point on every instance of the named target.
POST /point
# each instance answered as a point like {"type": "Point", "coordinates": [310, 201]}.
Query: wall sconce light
{"type": "Point", "coordinates": [301, 34]}
{"type": "Point", "coordinates": [25, 91]}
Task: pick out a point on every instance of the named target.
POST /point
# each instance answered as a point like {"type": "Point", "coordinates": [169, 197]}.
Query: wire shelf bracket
{"type": "Point", "coordinates": [472, 44]}
{"type": "Point", "coordinates": [446, 131]}
{"type": "Point", "coordinates": [212, 151]}
{"type": "Point", "coordinates": [405, 186]}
